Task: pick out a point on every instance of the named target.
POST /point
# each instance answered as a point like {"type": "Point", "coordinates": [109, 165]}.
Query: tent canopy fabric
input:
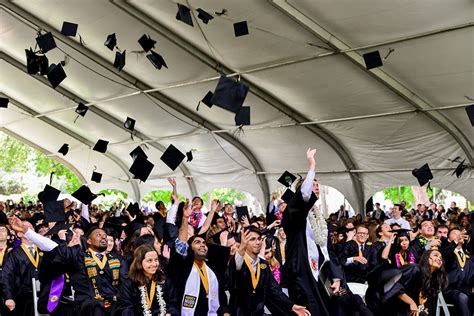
{"type": "Point", "coordinates": [309, 87]}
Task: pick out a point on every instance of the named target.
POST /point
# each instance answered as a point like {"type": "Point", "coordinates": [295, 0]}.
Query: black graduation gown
{"type": "Point", "coordinates": [71, 260]}
{"type": "Point", "coordinates": [387, 303]}
{"type": "Point", "coordinates": [17, 285]}
{"type": "Point", "coordinates": [356, 271]}
{"type": "Point", "coordinates": [303, 289]}
{"type": "Point", "coordinates": [417, 248]}
{"type": "Point", "coordinates": [129, 300]}
{"type": "Point", "coordinates": [268, 293]}
{"type": "Point", "coordinates": [375, 258]}
{"type": "Point", "coordinates": [179, 268]}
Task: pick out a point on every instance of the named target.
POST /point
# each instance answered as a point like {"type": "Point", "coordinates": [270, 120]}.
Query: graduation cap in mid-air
{"type": "Point", "coordinates": [129, 124]}
{"type": "Point", "coordinates": [141, 168]}
{"type": "Point", "coordinates": [69, 29]}
{"type": "Point", "coordinates": [229, 94]}
{"type": "Point", "coordinates": [287, 179]}
{"type": "Point", "coordinates": [423, 174]}
{"type": "Point", "coordinates": [54, 211]}
{"type": "Point", "coordinates": [119, 61]}
{"type": "Point", "coordinates": [172, 157]}
{"type": "Point", "coordinates": [241, 212]}
{"type": "Point", "coordinates": [111, 41]}
{"type": "Point", "coordinates": [156, 60]}
{"type": "Point", "coordinates": [96, 177]}
{"type": "Point", "coordinates": [184, 15]}
{"type": "Point", "coordinates": [46, 42]}
{"type": "Point", "coordinates": [146, 42]}
{"type": "Point", "coordinates": [459, 169]}
{"type": "Point", "coordinates": [81, 109]}
{"type": "Point", "coordinates": [243, 116]}
{"type": "Point", "coordinates": [207, 99]}
{"type": "Point", "coordinates": [84, 195]}
{"type": "Point", "coordinates": [204, 16]}
{"type": "Point", "coordinates": [56, 74]}
{"type": "Point", "coordinates": [101, 146]}
{"type": "Point", "coordinates": [4, 102]}
{"type": "Point", "coordinates": [48, 194]}
{"type": "Point", "coordinates": [189, 156]}
{"type": "Point", "coordinates": [470, 113]}
{"type": "Point", "coordinates": [36, 63]}
{"type": "Point", "coordinates": [372, 60]}
{"type": "Point", "coordinates": [241, 28]}
{"type": "Point", "coordinates": [138, 151]}
{"type": "Point", "coordinates": [64, 149]}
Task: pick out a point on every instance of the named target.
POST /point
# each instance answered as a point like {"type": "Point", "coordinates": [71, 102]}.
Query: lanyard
{"type": "Point", "coordinates": [149, 297]}
{"type": "Point", "coordinates": [35, 260]}
{"type": "Point", "coordinates": [255, 276]}
{"type": "Point", "coordinates": [203, 275]}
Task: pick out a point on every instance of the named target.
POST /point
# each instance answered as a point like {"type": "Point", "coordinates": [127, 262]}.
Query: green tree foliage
{"type": "Point", "coordinates": [19, 157]}
{"type": "Point", "coordinates": [404, 194]}
{"type": "Point", "coordinates": [226, 195]}
{"type": "Point", "coordinates": [160, 195]}
{"type": "Point", "coordinates": [113, 192]}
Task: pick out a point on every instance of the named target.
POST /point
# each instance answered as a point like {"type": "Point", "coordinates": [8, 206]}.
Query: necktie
{"type": "Point", "coordinates": [461, 254]}
{"type": "Point", "coordinates": [32, 251]}
{"type": "Point", "coordinates": [362, 247]}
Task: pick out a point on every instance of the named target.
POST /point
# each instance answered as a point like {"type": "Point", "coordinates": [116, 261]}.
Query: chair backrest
{"type": "Point", "coordinates": [35, 296]}
{"type": "Point", "coordinates": [358, 288]}
{"type": "Point", "coordinates": [441, 304]}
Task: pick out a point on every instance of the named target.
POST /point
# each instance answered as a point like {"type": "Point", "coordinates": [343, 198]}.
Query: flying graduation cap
{"type": "Point", "coordinates": [138, 151]}
{"type": "Point", "coordinates": [172, 157]}
{"type": "Point", "coordinates": [129, 124]}
{"type": "Point", "coordinates": [4, 102]}
{"type": "Point", "coordinates": [156, 60]}
{"type": "Point", "coordinates": [204, 16]}
{"type": "Point", "coordinates": [46, 42]}
{"type": "Point", "coordinates": [54, 211]}
{"type": "Point", "coordinates": [56, 74]}
{"type": "Point", "coordinates": [141, 168]}
{"type": "Point", "coordinates": [243, 116]}
{"type": "Point", "coordinates": [423, 174]}
{"type": "Point", "coordinates": [459, 169]}
{"type": "Point", "coordinates": [36, 63]}
{"type": "Point", "coordinates": [96, 177]}
{"type": "Point", "coordinates": [184, 15]}
{"type": "Point", "coordinates": [64, 149]}
{"type": "Point", "coordinates": [119, 61]}
{"type": "Point", "coordinates": [372, 60]}
{"type": "Point", "coordinates": [84, 195]}
{"type": "Point", "coordinates": [69, 29]}
{"type": "Point", "coordinates": [81, 109]}
{"type": "Point", "coordinates": [48, 194]}
{"type": "Point", "coordinates": [287, 179]}
{"type": "Point", "coordinates": [241, 29]}
{"type": "Point", "coordinates": [111, 41]}
{"type": "Point", "coordinates": [146, 42]}
{"type": "Point", "coordinates": [470, 113]}
{"type": "Point", "coordinates": [229, 94]}
{"type": "Point", "coordinates": [101, 146]}
{"type": "Point", "coordinates": [189, 156]}
{"type": "Point", "coordinates": [207, 99]}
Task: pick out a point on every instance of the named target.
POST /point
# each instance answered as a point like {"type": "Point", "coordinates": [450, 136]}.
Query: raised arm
{"type": "Point", "coordinates": [386, 250]}
{"type": "Point", "coordinates": [307, 186]}
{"type": "Point", "coordinates": [172, 181]}
{"type": "Point", "coordinates": [183, 229]}
{"type": "Point", "coordinates": [43, 243]}
{"type": "Point", "coordinates": [210, 216]}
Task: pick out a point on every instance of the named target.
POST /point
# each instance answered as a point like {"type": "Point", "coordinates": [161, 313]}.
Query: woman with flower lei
{"type": "Point", "coordinates": [397, 251]}
{"type": "Point", "coordinates": [143, 292]}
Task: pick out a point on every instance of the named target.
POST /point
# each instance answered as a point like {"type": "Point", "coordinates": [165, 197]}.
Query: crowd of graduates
{"type": "Point", "coordinates": [63, 258]}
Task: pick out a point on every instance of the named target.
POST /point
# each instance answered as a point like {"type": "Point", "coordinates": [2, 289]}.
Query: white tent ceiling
{"type": "Point", "coordinates": [302, 62]}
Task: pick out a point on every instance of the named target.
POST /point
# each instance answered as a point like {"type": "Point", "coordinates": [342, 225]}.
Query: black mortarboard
{"type": "Point", "coordinates": [423, 175]}
{"type": "Point", "coordinates": [48, 194]}
{"type": "Point", "coordinates": [184, 15]}
{"type": "Point", "coordinates": [459, 169]}
{"type": "Point", "coordinates": [146, 42]}
{"type": "Point", "coordinates": [84, 195]}
{"type": "Point", "coordinates": [156, 60]}
{"type": "Point", "coordinates": [36, 63]}
{"type": "Point", "coordinates": [241, 212]}
{"type": "Point", "coordinates": [46, 42]}
{"type": "Point", "coordinates": [470, 113]}
{"type": "Point", "coordinates": [129, 124]}
{"type": "Point", "coordinates": [218, 253]}
{"type": "Point", "coordinates": [133, 209]}
{"type": "Point", "coordinates": [133, 227]}
{"type": "Point", "coordinates": [111, 41]}
{"type": "Point", "coordinates": [114, 230]}
{"type": "Point", "coordinates": [81, 109]}
{"type": "Point", "coordinates": [64, 149]}
{"type": "Point", "coordinates": [141, 168]}
{"type": "Point", "coordinates": [372, 60]}
{"type": "Point", "coordinates": [401, 232]}
{"type": "Point", "coordinates": [204, 16]}
{"type": "Point", "coordinates": [96, 177]}
{"type": "Point", "coordinates": [207, 99]}
{"type": "Point", "coordinates": [58, 227]}
{"type": "Point", "coordinates": [138, 151]}
{"type": "Point", "coordinates": [69, 29]}
{"type": "Point", "coordinates": [54, 211]}
{"type": "Point", "coordinates": [229, 94]}
{"type": "Point", "coordinates": [189, 156]}
{"type": "Point", "coordinates": [241, 28]}
{"type": "Point", "coordinates": [56, 74]}
{"type": "Point", "coordinates": [243, 116]}
{"type": "Point", "coordinates": [288, 195]}
{"type": "Point", "coordinates": [101, 146]}
{"type": "Point", "coordinates": [119, 61]}
{"type": "Point", "coordinates": [172, 157]}
{"type": "Point", "coordinates": [287, 179]}
{"type": "Point", "coordinates": [4, 102]}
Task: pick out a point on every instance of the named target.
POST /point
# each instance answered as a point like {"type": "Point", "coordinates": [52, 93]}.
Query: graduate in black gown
{"type": "Point", "coordinates": [143, 292]}
{"type": "Point", "coordinates": [20, 266]}
{"type": "Point", "coordinates": [251, 283]}
{"type": "Point", "coordinates": [460, 269]}
{"type": "Point", "coordinates": [355, 256]}
{"type": "Point", "coordinates": [405, 291]}
{"type": "Point", "coordinates": [5, 248]}
{"type": "Point", "coordinates": [94, 274]}
{"type": "Point", "coordinates": [194, 288]}
{"type": "Point", "coordinates": [303, 256]}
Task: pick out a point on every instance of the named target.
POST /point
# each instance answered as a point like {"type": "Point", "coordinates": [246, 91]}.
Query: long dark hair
{"type": "Point", "coordinates": [136, 274]}
{"type": "Point", "coordinates": [431, 282]}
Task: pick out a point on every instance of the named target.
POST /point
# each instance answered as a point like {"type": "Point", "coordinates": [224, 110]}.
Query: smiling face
{"type": "Point", "coordinates": [97, 240]}
{"type": "Point", "coordinates": [150, 263]}
{"type": "Point", "coordinates": [362, 234]}
{"type": "Point", "coordinates": [435, 260]}
{"type": "Point", "coordinates": [427, 229]}
{"type": "Point", "coordinates": [255, 243]}
{"type": "Point", "coordinates": [199, 247]}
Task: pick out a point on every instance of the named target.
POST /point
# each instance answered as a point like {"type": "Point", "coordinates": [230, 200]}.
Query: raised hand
{"type": "Point", "coordinates": [172, 181]}
{"type": "Point", "coordinates": [214, 205]}
{"type": "Point", "coordinates": [300, 310]}
{"type": "Point", "coordinates": [16, 224]}
{"type": "Point", "coordinates": [187, 211]}
{"type": "Point", "coordinates": [177, 200]}
{"type": "Point", "coordinates": [310, 156]}
{"type": "Point", "coordinates": [10, 304]}
{"type": "Point", "coordinates": [166, 252]}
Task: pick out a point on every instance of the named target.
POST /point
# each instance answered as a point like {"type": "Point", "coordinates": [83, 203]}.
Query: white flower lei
{"type": "Point", "coordinates": [159, 298]}
{"type": "Point", "coordinates": [318, 226]}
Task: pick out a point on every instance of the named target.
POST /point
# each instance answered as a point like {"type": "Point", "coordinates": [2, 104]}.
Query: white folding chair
{"type": "Point", "coordinates": [36, 289]}
{"type": "Point", "coordinates": [358, 288]}
{"type": "Point", "coordinates": [441, 304]}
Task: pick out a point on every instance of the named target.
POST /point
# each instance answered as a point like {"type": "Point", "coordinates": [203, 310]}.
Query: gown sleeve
{"type": "Point", "coordinates": [124, 304]}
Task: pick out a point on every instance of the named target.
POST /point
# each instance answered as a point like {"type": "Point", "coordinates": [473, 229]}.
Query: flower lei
{"type": "Point", "coordinates": [318, 226]}
{"type": "Point", "coordinates": [423, 241]}
{"type": "Point", "coordinates": [195, 219]}
{"type": "Point", "coordinates": [411, 259]}
{"type": "Point", "coordinates": [159, 298]}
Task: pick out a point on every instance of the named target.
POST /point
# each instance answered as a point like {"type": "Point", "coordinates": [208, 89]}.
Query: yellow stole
{"type": "Point", "coordinates": [2, 255]}
{"type": "Point", "coordinates": [282, 251]}
{"type": "Point", "coordinates": [203, 275]}
{"type": "Point", "coordinates": [35, 260]}
{"type": "Point", "coordinates": [461, 261]}
{"type": "Point", "coordinates": [149, 297]}
{"type": "Point", "coordinates": [255, 276]}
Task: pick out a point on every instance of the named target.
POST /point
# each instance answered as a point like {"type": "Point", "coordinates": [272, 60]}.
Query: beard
{"type": "Point", "coordinates": [101, 248]}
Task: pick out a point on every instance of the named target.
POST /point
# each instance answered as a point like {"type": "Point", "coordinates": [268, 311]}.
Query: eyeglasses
{"type": "Point", "coordinates": [362, 234]}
